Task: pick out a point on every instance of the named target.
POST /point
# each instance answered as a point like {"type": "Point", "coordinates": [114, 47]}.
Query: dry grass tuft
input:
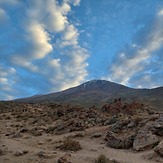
{"type": "Point", "coordinates": [103, 159]}
{"type": "Point", "coordinates": [70, 145]}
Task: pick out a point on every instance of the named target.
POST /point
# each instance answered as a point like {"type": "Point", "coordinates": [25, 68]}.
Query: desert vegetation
{"type": "Point", "coordinates": [70, 145]}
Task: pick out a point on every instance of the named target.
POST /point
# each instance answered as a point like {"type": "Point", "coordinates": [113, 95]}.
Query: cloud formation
{"type": "Point", "coordinates": [50, 51]}
{"type": "Point", "coordinates": [137, 65]}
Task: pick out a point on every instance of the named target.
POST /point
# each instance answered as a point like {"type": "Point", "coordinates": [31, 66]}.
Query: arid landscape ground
{"type": "Point", "coordinates": [57, 133]}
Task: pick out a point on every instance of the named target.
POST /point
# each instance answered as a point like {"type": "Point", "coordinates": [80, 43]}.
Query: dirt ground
{"type": "Point", "coordinates": [47, 143]}
{"type": "Point", "coordinates": [27, 134]}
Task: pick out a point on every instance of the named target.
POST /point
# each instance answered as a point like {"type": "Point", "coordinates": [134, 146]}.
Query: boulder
{"type": "Point", "coordinates": [157, 128]}
{"type": "Point", "coordinates": [119, 143]}
{"type": "Point", "coordinates": [159, 149]}
{"type": "Point", "coordinates": [145, 140]}
{"type": "Point", "coordinates": [117, 127]}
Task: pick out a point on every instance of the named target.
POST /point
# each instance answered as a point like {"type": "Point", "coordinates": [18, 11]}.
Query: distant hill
{"type": "Point", "coordinates": [99, 92]}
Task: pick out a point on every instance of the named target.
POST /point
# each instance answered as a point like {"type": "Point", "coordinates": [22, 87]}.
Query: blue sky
{"type": "Point", "coordinates": [48, 46]}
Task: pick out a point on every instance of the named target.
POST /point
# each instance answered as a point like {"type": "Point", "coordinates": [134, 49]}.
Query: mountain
{"type": "Point", "coordinates": [99, 92]}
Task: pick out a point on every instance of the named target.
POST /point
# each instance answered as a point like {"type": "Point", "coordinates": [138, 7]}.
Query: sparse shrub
{"type": "Point", "coordinates": [103, 159]}
{"type": "Point", "coordinates": [137, 119]}
{"type": "Point", "coordinates": [70, 145]}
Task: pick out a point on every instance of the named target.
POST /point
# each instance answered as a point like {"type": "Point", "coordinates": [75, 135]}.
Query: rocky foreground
{"type": "Point", "coordinates": [55, 133]}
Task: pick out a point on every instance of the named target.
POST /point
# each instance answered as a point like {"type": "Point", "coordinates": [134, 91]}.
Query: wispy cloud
{"type": "Point", "coordinates": [7, 80]}
{"type": "Point", "coordinates": [135, 66]}
{"type": "Point", "coordinates": [3, 16]}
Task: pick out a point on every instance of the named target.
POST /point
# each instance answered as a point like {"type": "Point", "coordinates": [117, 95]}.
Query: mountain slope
{"type": "Point", "coordinates": [90, 90]}
{"type": "Point", "coordinates": [99, 92]}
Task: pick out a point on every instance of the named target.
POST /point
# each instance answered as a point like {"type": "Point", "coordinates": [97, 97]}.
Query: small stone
{"type": "Point", "coordinates": [96, 135]}
{"type": "Point", "coordinates": [18, 153]}
{"type": "Point", "coordinates": [6, 158]}
{"type": "Point", "coordinates": [131, 124]}
{"type": "Point", "coordinates": [25, 151]}
{"type": "Point", "coordinates": [93, 150]}
{"type": "Point", "coordinates": [16, 135]}
{"type": "Point", "coordinates": [79, 134]}
{"type": "Point", "coordinates": [40, 143]}
{"type": "Point", "coordinates": [41, 154]}
{"type": "Point", "coordinates": [64, 159]}
{"type": "Point", "coordinates": [49, 139]}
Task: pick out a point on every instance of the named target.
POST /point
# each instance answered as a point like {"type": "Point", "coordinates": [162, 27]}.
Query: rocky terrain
{"type": "Point", "coordinates": [55, 133]}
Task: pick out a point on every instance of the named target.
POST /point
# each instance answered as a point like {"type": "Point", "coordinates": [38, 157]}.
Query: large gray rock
{"type": "Point", "coordinates": [159, 149]}
{"type": "Point", "coordinates": [119, 143]}
{"type": "Point", "coordinates": [157, 127]}
{"type": "Point", "coordinates": [145, 140]}
{"type": "Point", "coordinates": [158, 130]}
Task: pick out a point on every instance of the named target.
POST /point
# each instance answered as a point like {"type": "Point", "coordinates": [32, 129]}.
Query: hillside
{"type": "Point", "coordinates": [99, 92]}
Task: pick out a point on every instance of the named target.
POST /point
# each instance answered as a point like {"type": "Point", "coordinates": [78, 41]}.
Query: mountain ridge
{"type": "Point", "coordinates": [99, 92]}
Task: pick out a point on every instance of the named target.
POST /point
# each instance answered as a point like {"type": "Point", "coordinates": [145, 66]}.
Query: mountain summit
{"type": "Point", "coordinates": [99, 92]}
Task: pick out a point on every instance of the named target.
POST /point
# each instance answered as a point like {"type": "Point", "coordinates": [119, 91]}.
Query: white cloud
{"type": "Point", "coordinates": [6, 71]}
{"type": "Point", "coordinates": [65, 8]}
{"type": "Point", "coordinates": [56, 21]}
{"type": "Point", "coordinates": [55, 63]}
{"type": "Point", "coordinates": [70, 33]}
{"type": "Point", "coordinates": [7, 81]}
{"type": "Point", "coordinates": [74, 2]}
{"type": "Point", "coordinates": [160, 13]}
{"type": "Point", "coordinates": [50, 52]}
{"type": "Point", "coordinates": [70, 36]}
{"type": "Point", "coordinates": [48, 13]}
{"type": "Point", "coordinates": [39, 39]}
{"type": "Point", "coordinates": [2, 12]}
{"type": "Point", "coordinates": [70, 68]}
{"type": "Point", "coordinates": [23, 62]}
{"type": "Point", "coordinates": [3, 16]}
{"type": "Point", "coordinates": [128, 64]}
{"type": "Point", "coordinates": [3, 81]}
